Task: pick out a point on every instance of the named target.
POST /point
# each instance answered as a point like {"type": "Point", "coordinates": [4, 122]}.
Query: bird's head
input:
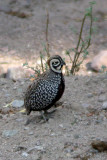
{"type": "Point", "coordinates": [56, 63]}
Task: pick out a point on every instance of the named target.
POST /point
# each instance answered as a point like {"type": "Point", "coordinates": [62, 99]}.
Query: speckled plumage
{"type": "Point", "coordinates": [46, 90]}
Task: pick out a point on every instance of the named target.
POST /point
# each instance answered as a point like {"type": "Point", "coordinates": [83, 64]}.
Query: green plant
{"type": "Point", "coordinates": [42, 67]}
{"type": "Point", "coordinates": [84, 42]}
{"type": "Point", "coordinates": [80, 51]}
{"type": "Point", "coordinates": [103, 69]}
{"type": "Point", "coordinates": [39, 68]}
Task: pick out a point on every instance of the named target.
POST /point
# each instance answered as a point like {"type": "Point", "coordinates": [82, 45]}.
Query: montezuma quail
{"type": "Point", "coordinates": [47, 89]}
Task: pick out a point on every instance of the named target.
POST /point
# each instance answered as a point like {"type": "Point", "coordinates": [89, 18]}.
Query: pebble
{"type": "Point", "coordinates": [76, 136]}
{"type": "Point", "coordinates": [98, 121]}
{"type": "Point", "coordinates": [30, 133]}
{"type": "Point", "coordinates": [18, 103]}
{"type": "Point", "coordinates": [26, 128]}
{"type": "Point", "coordinates": [53, 134]}
{"type": "Point", "coordinates": [67, 144]}
{"type": "Point", "coordinates": [89, 95]}
{"type": "Point", "coordinates": [93, 151]}
{"type": "Point", "coordinates": [19, 119]}
{"type": "Point", "coordinates": [9, 133]}
{"type": "Point", "coordinates": [25, 154]}
{"type": "Point", "coordinates": [61, 125]}
{"type": "Point", "coordinates": [104, 107]}
{"type": "Point", "coordinates": [68, 150]}
{"type": "Point", "coordinates": [19, 148]}
{"type": "Point", "coordinates": [85, 105]}
{"type": "Point", "coordinates": [102, 98]}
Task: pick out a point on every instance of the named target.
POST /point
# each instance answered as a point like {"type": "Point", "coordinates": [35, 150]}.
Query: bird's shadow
{"type": "Point", "coordinates": [34, 119]}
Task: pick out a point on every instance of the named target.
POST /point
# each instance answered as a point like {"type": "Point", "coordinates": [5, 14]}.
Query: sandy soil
{"type": "Point", "coordinates": [80, 118]}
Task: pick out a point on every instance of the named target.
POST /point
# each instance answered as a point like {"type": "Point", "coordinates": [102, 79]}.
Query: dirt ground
{"type": "Point", "coordinates": [80, 116]}
{"type": "Point", "coordinates": [79, 119]}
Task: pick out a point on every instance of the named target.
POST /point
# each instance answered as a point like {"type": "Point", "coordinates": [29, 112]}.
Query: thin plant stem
{"type": "Point", "coordinates": [47, 41]}
{"type": "Point", "coordinates": [83, 48]}
{"type": "Point", "coordinates": [41, 59]}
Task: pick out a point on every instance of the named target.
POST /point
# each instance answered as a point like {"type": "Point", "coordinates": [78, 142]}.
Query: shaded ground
{"type": "Point", "coordinates": [81, 117]}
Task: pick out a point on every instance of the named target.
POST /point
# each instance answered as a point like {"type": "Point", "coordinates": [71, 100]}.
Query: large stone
{"type": "Point", "coordinates": [17, 103]}
{"type": "Point", "coordinates": [18, 72]}
{"type": "Point", "coordinates": [99, 61]}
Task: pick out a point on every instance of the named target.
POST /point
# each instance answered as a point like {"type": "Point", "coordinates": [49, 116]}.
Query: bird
{"type": "Point", "coordinates": [47, 89]}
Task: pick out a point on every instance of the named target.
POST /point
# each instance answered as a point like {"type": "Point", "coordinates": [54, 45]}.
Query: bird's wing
{"type": "Point", "coordinates": [41, 94]}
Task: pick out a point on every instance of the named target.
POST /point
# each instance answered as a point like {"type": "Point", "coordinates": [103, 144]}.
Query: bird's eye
{"type": "Point", "coordinates": [55, 62]}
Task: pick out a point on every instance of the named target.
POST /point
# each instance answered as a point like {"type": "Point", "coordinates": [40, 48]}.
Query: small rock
{"type": "Point", "coordinates": [30, 133]}
{"type": "Point", "coordinates": [68, 155]}
{"type": "Point", "coordinates": [99, 121]}
{"type": "Point", "coordinates": [68, 150]}
{"type": "Point", "coordinates": [19, 119]}
{"type": "Point", "coordinates": [67, 144]}
{"type": "Point", "coordinates": [93, 151]}
{"type": "Point", "coordinates": [9, 133]}
{"type": "Point", "coordinates": [25, 154]}
{"type": "Point", "coordinates": [19, 148]}
{"type": "Point", "coordinates": [89, 95]}
{"type": "Point", "coordinates": [104, 107]}
{"type": "Point", "coordinates": [89, 108]}
{"type": "Point", "coordinates": [18, 103]}
{"type": "Point", "coordinates": [26, 128]}
{"type": "Point", "coordinates": [102, 98]}
{"type": "Point", "coordinates": [53, 134]}
{"type": "Point", "coordinates": [85, 105]}
{"type": "Point", "coordinates": [99, 145]}
{"type": "Point", "coordinates": [61, 125]}
{"type": "Point", "coordinates": [76, 136]}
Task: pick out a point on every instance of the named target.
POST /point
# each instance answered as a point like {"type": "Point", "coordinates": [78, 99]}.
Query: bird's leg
{"type": "Point", "coordinates": [49, 114]}
{"type": "Point", "coordinates": [43, 116]}
{"type": "Point", "coordinates": [28, 118]}
{"type": "Point", "coordinates": [27, 121]}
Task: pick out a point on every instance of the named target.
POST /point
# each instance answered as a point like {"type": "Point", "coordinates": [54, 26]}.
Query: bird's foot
{"type": "Point", "coordinates": [43, 116]}
{"type": "Point", "coordinates": [50, 114]}
{"type": "Point", "coordinates": [27, 121]}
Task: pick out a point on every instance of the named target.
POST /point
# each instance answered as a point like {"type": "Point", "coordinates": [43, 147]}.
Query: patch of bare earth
{"type": "Point", "coordinates": [79, 119]}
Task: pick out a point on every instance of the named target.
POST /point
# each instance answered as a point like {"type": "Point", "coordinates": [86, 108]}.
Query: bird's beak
{"type": "Point", "coordinates": [64, 63]}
